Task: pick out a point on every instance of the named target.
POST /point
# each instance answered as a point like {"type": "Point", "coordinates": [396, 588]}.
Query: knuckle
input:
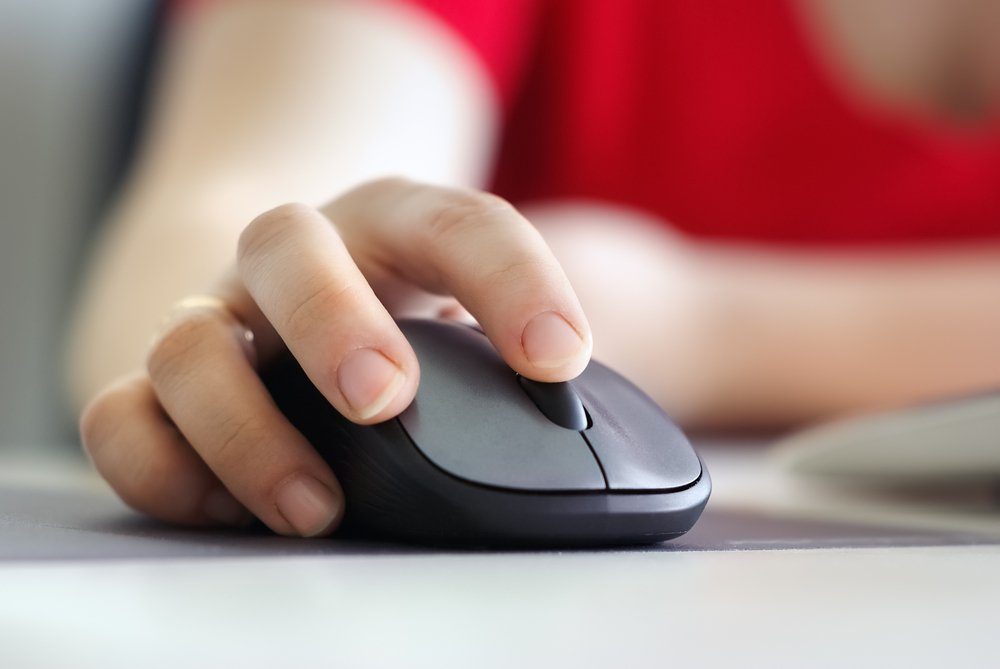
{"type": "Point", "coordinates": [388, 182]}
{"type": "Point", "coordinates": [151, 487]}
{"type": "Point", "coordinates": [325, 299]}
{"type": "Point", "coordinates": [268, 228]}
{"type": "Point", "coordinates": [529, 272]}
{"type": "Point", "coordinates": [465, 210]}
{"type": "Point", "coordinates": [180, 342]}
{"type": "Point", "coordinates": [104, 414]}
{"type": "Point", "coordinates": [236, 435]}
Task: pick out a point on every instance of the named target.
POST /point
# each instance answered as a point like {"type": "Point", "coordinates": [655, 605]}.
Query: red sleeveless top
{"type": "Point", "coordinates": [718, 116]}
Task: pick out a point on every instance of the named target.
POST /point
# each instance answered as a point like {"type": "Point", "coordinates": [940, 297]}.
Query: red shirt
{"type": "Point", "coordinates": [719, 117]}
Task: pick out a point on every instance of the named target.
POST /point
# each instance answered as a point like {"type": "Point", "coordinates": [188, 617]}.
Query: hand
{"type": "Point", "coordinates": [196, 439]}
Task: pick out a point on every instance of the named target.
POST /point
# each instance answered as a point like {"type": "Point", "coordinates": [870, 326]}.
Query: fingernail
{"type": "Point", "coordinates": [308, 505]}
{"type": "Point", "coordinates": [223, 508]}
{"type": "Point", "coordinates": [369, 381]}
{"type": "Point", "coordinates": [549, 341]}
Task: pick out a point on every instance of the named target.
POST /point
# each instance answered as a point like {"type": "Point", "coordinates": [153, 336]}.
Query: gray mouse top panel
{"type": "Point", "coordinates": [638, 445]}
{"type": "Point", "coordinates": [472, 419]}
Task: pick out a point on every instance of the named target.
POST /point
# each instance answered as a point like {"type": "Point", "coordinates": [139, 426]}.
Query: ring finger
{"type": "Point", "coordinates": [204, 380]}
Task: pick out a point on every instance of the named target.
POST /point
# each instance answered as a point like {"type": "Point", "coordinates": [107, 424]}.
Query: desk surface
{"type": "Point", "coordinates": [84, 582]}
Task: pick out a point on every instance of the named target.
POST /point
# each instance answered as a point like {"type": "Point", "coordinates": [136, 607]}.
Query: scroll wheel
{"type": "Point", "coordinates": [558, 401]}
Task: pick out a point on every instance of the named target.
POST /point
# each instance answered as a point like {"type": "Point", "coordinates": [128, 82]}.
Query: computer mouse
{"type": "Point", "coordinates": [486, 457]}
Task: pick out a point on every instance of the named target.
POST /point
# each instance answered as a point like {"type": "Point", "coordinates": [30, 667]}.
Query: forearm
{"type": "Point", "coordinates": [807, 335]}
{"type": "Point", "coordinates": [239, 129]}
{"type": "Point", "coordinates": [151, 253]}
{"type": "Point", "coordinates": [741, 337]}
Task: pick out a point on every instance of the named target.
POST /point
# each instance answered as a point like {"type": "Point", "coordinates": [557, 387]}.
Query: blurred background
{"type": "Point", "coordinates": [70, 72]}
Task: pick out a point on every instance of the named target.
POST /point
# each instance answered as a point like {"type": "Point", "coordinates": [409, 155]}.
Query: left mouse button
{"type": "Point", "coordinates": [471, 419]}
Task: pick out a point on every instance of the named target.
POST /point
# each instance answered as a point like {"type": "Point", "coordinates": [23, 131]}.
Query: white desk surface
{"type": "Point", "coordinates": [84, 583]}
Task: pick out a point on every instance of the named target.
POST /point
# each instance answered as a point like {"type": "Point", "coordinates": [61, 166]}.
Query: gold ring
{"type": "Point", "coordinates": [202, 302]}
{"type": "Point", "coordinates": [211, 303]}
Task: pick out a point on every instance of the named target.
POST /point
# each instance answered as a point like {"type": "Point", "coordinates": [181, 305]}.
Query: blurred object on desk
{"type": "Point", "coordinates": [944, 443]}
{"type": "Point", "coordinates": [934, 465]}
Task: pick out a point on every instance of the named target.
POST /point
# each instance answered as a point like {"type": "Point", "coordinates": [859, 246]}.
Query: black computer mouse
{"type": "Point", "coordinates": [486, 457]}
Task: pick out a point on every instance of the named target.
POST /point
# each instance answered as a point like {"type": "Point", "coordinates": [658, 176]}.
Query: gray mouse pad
{"type": "Point", "coordinates": [42, 524]}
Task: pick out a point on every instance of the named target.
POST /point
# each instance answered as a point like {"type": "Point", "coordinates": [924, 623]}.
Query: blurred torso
{"type": "Point", "coordinates": [821, 121]}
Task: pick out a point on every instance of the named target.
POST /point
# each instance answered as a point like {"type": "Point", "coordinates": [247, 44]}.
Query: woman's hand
{"type": "Point", "coordinates": [196, 438]}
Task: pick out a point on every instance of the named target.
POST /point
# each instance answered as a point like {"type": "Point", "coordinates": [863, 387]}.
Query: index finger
{"type": "Point", "coordinates": [479, 248]}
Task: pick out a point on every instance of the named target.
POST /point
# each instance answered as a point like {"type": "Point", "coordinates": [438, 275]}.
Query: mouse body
{"type": "Point", "coordinates": [485, 457]}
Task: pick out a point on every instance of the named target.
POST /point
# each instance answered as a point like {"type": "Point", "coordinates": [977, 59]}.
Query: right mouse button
{"type": "Point", "coordinates": [638, 446]}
